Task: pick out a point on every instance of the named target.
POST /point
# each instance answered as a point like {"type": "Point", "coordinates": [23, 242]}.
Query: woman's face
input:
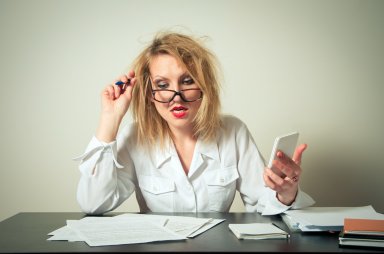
{"type": "Point", "coordinates": [168, 74]}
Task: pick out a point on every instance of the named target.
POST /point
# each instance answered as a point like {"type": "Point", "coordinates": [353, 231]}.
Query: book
{"type": "Point", "coordinates": [364, 227]}
{"type": "Point", "coordinates": [362, 232]}
{"type": "Point", "coordinates": [362, 241]}
{"type": "Point", "coordinates": [258, 231]}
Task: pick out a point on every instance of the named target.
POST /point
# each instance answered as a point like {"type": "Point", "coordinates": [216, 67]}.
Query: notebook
{"type": "Point", "coordinates": [258, 231]}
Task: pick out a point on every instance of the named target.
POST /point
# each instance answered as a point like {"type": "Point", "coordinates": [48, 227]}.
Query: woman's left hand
{"type": "Point", "coordinates": [286, 179]}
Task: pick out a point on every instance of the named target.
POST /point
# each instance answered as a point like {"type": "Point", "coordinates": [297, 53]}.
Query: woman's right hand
{"type": "Point", "coordinates": [115, 102]}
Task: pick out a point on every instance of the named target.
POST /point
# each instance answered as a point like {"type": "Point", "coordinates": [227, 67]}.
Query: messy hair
{"type": "Point", "coordinates": [200, 64]}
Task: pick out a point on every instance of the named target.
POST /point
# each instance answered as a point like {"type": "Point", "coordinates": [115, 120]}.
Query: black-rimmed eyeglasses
{"type": "Point", "coordinates": [187, 95]}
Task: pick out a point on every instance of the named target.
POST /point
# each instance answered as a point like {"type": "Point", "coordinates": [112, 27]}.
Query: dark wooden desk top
{"type": "Point", "coordinates": [27, 233]}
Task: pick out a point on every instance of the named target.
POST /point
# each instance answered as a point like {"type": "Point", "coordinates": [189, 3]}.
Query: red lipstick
{"type": "Point", "coordinates": [179, 111]}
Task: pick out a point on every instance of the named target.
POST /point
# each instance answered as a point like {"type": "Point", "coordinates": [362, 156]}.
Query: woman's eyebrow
{"type": "Point", "coordinates": [158, 78]}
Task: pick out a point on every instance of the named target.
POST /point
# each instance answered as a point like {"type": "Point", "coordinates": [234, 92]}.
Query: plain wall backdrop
{"type": "Point", "coordinates": [312, 66]}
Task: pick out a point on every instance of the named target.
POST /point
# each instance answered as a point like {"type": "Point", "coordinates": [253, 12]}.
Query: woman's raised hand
{"type": "Point", "coordinates": [286, 186]}
{"type": "Point", "coordinates": [115, 100]}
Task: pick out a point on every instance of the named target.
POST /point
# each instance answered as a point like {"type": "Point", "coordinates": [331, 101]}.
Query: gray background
{"type": "Point", "coordinates": [311, 66]}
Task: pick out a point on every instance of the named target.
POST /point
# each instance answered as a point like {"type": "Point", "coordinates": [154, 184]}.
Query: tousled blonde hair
{"type": "Point", "coordinates": [201, 65]}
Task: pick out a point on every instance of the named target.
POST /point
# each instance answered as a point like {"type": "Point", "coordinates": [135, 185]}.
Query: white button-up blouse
{"type": "Point", "coordinates": [111, 172]}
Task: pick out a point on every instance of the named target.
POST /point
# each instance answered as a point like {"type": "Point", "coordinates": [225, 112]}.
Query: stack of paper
{"type": "Point", "coordinates": [258, 231]}
{"type": "Point", "coordinates": [326, 218]}
{"type": "Point", "coordinates": [132, 228]}
{"type": "Point", "coordinates": [362, 232]}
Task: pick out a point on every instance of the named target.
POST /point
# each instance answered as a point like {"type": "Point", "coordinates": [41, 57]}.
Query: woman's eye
{"type": "Point", "coordinates": [162, 85]}
{"type": "Point", "coordinates": [188, 81]}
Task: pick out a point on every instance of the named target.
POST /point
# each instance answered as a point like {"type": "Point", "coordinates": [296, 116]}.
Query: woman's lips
{"type": "Point", "coordinates": [179, 111]}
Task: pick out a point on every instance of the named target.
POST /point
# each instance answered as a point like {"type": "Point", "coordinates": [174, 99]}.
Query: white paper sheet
{"type": "Point", "coordinates": [182, 225]}
{"type": "Point", "coordinates": [121, 231]}
{"type": "Point", "coordinates": [64, 234]}
{"type": "Point", "coordinates": [207, 226]}
{"type": "Point", "coordinates": [332, 216]}
{"type": "Point", "coordinates": [132, 228]}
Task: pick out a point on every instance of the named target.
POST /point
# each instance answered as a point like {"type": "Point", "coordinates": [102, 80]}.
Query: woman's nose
{"type": "Point", "coordinates": [177, 97]}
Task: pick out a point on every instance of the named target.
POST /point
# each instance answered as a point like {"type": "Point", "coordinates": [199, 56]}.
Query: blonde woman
{"type": "Point", "coordinates": [179, 154]}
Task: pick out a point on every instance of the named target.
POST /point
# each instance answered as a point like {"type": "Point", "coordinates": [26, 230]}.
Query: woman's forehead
{"type": "Point", "coordinates": [165, 65]}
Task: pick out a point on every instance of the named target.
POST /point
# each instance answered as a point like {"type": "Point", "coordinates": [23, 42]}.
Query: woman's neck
{"type": "Point", "coordinates": [184, 142]}
{"type": "Point", "coordinates": [180, 136]}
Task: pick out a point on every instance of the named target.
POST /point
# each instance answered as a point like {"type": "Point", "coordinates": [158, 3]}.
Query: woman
{"type": "Point", "coordinates": [179, 154]}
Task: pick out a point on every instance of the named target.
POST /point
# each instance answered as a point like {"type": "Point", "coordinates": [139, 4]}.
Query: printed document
{"type": "Point", "coordinates": [113, 231]}
{"type": "Point", "coordinates": [132, 228]}
{"type": "Point", "coordinates": [326, 218]}
{"type": "Point", "coordinates": [182, 225]}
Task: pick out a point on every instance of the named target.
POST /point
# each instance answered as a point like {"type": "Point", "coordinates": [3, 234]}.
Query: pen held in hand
{"type": "Point", "coordinates": [120, 83]}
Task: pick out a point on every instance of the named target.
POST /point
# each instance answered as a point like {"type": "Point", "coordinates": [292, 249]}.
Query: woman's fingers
{"type": "Point", "coordinates": [287, 165]}
{"type": "Point", "coordinates": [108, 92]}
{"type": "Point", "coordinates": [132, 82]}
{"type": "Point", "coordinates": [299, 153]}
{"type": "Point", "coordinates": [276, 179]}
{"type": "Point", "coordinates": [126, 81]}
{"type": "Point", "coordinates": [131, 74]}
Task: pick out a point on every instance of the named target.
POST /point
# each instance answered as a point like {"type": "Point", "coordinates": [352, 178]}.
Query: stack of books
{"type": "Point", "coordinates": [362, 232]}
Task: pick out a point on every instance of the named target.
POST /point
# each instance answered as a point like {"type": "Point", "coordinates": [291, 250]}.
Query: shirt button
{"type": "Point", "coordinates": [221, 180]}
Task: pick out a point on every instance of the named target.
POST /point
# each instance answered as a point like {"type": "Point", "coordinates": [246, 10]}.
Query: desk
{"type": "Point", "coordinates": [27, 232]}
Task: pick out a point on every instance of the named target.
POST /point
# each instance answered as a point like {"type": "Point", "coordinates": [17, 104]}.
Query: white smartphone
{"type": "Point", "coordinates": [287, 144]}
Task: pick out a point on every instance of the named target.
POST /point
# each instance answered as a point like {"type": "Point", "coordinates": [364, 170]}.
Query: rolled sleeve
{"type": "Point", "coordinates": [92, 155]}
{"type": "Point", "coordinates": [104, 183]}
{"type": "Point", "coordinates": [270, 205]}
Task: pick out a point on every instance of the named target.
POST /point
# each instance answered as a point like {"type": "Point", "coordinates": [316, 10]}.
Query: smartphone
{"type": "Point", "coordinates": [285, 143]}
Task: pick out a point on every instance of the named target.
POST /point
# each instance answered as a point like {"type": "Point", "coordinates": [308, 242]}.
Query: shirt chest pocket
{"type": "Point", "coordinates": [158, 192]}
{"type": "Point", "coordinates": [221, 187]}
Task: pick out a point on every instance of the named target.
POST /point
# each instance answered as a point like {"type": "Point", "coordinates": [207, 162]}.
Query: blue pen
{"type": "Point", "coordinates": [119, 83]}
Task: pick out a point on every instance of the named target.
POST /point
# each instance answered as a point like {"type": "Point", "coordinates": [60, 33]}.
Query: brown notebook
{"type": "Point", "coordinates": [363, 226]}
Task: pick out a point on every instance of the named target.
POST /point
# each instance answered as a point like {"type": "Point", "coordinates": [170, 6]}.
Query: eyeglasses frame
{"type": "Point", "coordinates": [176, 93]}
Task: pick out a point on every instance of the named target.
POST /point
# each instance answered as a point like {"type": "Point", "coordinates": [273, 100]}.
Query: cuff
{"type": "Point", "coordinates": [92, 155]}
{"type": "Point", "coordinates": [274, 206]}
{"type": "Point", "coordinates": [302, 200]}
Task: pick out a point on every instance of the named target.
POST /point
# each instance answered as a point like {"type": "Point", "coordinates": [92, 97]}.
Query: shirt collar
{"type": "Point", "coordinates": [163, 154]}
{"type": "Point", "coordinates": [208, 149]}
